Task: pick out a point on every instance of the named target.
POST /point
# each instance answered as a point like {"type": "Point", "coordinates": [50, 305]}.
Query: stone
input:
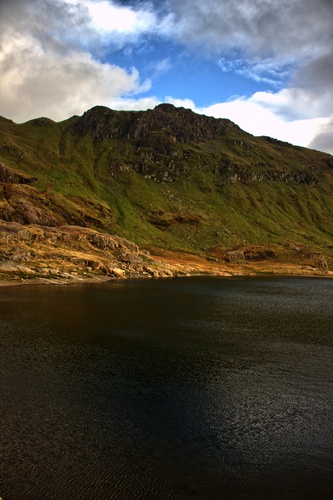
{"type": "Point", "coordinates": [118, 273]}
{"type": "Point", "coordinates": [94, 265]}
{"type": "Point", "coordinates": [235, 255]}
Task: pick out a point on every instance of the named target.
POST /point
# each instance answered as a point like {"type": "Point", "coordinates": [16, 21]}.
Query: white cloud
{"type": "Point", "coordinates": [182, 103]}
{"type": "Point", "coordinates": [142, 103]}
{"type": "Point", "coordinates": [264, 114]}
{"type": "Point", "coordinates": [119, 25]}
{"type": "Point", "coordinates": [109, 17]}
{"type": "Point", "coordinates": [266, 28]}
{"type": "Point", "coordinates": [131, 104]}
{"type": "Point", "coordinates": [37, 82]}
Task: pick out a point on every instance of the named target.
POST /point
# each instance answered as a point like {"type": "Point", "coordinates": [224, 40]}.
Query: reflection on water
{"type": "Point", "coordinates": [188, 388]}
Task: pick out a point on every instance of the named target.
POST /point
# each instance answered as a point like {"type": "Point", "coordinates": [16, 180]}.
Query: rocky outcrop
{"type": "Point", "coordinates": [276, 253]}
{"type": "Point", "coordinates": [27, 205]}
{"type": "Point", "coordinates": [104, 123]}
{"type": "Point", "coordinates": [277, 142]}
{"type": "Point", "coordinates": [8, 176]}
{"type": "Point", "coordinates": [73, 253]}
{"type": "Point", "coordinates": [179, 124]}
{"type": "Point", "coordinates": [250, 254]}
{"type": "Point", "coordinates": [183, 125]}
{"type": "Point", "coordinates": [231, 174]}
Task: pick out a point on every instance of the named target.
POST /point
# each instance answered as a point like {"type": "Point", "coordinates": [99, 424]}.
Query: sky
{"type": "Point", "coordinates": [267, 65]}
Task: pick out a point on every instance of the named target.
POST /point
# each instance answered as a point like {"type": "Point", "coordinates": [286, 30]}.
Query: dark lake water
{"type": "Point", "coordinates": [199, 388]}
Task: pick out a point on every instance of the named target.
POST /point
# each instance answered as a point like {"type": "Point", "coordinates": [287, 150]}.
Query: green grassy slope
{"type": "Point", "coordinates": [167, 178]}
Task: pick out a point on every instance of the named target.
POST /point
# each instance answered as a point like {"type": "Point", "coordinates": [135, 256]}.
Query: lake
{"type": "Point", "coordinates": [202, 388]}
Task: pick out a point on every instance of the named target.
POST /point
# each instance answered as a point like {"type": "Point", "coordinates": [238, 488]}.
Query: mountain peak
{"type": "Point", "coordinates": [166, 107]}
{"type": "Point", "coordinates": [182, 124]}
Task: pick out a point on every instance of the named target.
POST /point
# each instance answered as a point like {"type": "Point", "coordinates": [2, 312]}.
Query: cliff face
{"type": "Point", "coordinates": [181, 124]}
{"type": "Point", "coordinates": [166, 178]}
{"type": "Point", "coordinates": [71, 253]}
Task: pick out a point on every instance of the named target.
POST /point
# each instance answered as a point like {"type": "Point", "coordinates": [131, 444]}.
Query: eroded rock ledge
{"type": "Point", "coordinates": [72, 254]}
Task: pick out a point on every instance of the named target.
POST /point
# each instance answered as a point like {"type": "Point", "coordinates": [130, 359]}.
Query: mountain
{"type": "Point", "coordinates": [169, 180]}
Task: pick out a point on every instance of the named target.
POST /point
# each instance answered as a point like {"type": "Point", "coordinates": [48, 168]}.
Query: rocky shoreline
{"type": "Point", "coordinates": [32, 254]}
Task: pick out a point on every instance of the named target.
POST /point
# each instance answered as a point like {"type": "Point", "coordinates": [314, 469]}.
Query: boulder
{"type": "Point", "coordinates": [118, 273]}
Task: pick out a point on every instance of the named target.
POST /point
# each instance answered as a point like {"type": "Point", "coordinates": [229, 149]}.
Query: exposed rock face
{"type": "Point", "coordinates": [181, 125]}
{"type": "Point", "coordinates": [73, 253]}
{"type": "Point", "coordinates": [26, 205]}
{"type": "Point", "coordinates": [235, 255]}
{"type": "Point", "coordinates": [104, 123]}
{"type": "Point", "coordinates": [8, 176]}
{"type": "Point", "coordinates": [250, 254]}
{"type": "Point", "coordinates": [264, 173]}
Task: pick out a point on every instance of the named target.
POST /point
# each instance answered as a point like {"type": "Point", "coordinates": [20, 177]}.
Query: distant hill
{"type": "Point", "coordinates": [167, 179]}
